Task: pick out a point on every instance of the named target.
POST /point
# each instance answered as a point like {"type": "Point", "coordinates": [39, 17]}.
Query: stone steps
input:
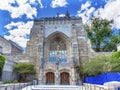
{"type": "Point", "coordinates": [54, 87]}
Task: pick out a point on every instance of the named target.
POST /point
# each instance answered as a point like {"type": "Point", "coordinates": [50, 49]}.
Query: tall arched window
{"type": "Point", "coordinates": [58, 50]}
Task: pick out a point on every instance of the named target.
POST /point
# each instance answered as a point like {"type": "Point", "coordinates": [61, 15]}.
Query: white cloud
{"type": "Point", "coordinates": [41, 5]}
{"type": "Point", "coordinates": [38, 1]}
{"type": "Point", "coordinates": [23, 8]}
{"type": "Point", "coordinates": [110, 11]}
{"type": "Point", "coordinates": [117, 22]}
{"type": "Point", "coordinates": [62, 15]}
{"type": "Point", "coordinates": [32, 1]}
{"type": "Point", "coordinates": [20, 2]}
{"type": "Point", "coordinates": [6, 5]}
{"type": "Point", "coordinates": [58, 3]}
{"type": "Point", "coordinates": [86, 11]}
{"type": "Point", "coordinates": [86, 5]}
{"type": "Point", "coordinates": [18, 35]}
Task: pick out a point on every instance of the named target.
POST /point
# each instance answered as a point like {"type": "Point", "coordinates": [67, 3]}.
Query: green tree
{"type": "Point", "coordinates": [2, 62]}
{"type": "Point", "coordinates": [24, 70]}
{"type": "Point", "coordinates": [115, 62]}
{"type": "Point", "coordinates": [99, 32]}
{"type": "Point", "coordinates": [102, 64]}
{"type": "Point", "coordinates": [97, 65]}
{"type": "Point", "coordinates": [111, 45]}
{"type": "Point", "coordinates": [116, 55]}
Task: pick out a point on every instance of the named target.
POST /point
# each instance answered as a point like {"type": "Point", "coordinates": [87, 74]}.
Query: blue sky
{"type": "Point", "coordinates": [16, 16]}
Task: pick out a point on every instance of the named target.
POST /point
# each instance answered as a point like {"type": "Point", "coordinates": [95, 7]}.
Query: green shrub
{"type": "Point", "coordinates": [97, 65]}
{"type": "Point", "coordinates": [6, 82]}
{"type": "Point", "coordinates": [2, 62]}
{"type": "Point", "coordinates": [116, 54]}
{"type": "Point", "coordinates": [15, 81]}
{"type": "Point", "coordinates": [24, 70]}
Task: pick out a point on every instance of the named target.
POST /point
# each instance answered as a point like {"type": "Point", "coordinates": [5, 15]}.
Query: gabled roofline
{"type": "Point", "coordinates": [58, 18]}
{"type": "Point", "coordinates": [13, 43]}
{"type": "Point", "coordinates": [3, 38]}
{"type": "Point", "coordinates": [16, 45]}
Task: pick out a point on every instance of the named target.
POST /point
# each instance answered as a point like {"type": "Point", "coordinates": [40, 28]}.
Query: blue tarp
{"type": "Point", "coordinates": [102, 78]}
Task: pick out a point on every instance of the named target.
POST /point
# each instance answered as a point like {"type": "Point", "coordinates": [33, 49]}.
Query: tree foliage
{"type": "Point", "coordinates": [116, 55]}
{"type": "Point", "coordinates": [97, 65]}
{"type": "Point", "coordinates": [111, 45]}
{"type": "Point", "coordinates": [115, 62]}
{"type": "Point", "coordinates": [24, 70]}
{"type": "Point", "coordinates": [99, 32]}
{"type": "Point", "coordinates": [102, 64]}
{"type": "Point", "coordinates": [2, 62]}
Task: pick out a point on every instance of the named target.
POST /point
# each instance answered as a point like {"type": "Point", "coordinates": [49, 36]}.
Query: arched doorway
{"type": "Point", "coordinates": [64, 78]}
{"type": "Point", "coordinates": [50, 78]}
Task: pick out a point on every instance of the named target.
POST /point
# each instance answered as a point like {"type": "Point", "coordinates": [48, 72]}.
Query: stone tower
{"type": "Point", "coordinates": [56, 46]}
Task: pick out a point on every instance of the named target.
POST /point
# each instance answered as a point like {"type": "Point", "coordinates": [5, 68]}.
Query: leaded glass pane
{"type": "Point", "coordinates": [58, 50]}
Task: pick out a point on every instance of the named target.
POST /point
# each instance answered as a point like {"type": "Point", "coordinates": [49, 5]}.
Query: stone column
{"type": "Point", "coordinates": [57, 77]}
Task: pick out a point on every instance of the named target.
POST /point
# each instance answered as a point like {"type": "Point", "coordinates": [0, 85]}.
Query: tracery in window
{"type": "Point", "coordinates": [58, 50]}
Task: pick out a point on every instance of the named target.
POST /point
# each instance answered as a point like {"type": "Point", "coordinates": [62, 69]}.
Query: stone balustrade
{"type": "Point", "coordinates": [17, 86]}
{"type": "Point", "coordinates": [95, 87]}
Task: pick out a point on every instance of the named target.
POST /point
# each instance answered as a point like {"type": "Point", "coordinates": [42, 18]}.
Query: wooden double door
{"type": "Point", "coordinates": [50, 78]}
{"type": "Point", "coordinates": [64, 78]}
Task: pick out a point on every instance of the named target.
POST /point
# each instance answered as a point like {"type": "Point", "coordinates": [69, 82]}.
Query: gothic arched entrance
{"type": "Point", "coordinates": [64, 78]}
{"type": "Point", "coordinates": [50, 78]}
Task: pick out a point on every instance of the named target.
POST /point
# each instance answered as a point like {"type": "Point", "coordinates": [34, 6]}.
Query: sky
{"type": "Point", "coordinates": [16, 16]}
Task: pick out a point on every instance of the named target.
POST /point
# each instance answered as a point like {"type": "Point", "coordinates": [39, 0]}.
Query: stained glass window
{"type": "Point", "coordinates": [58, 50]}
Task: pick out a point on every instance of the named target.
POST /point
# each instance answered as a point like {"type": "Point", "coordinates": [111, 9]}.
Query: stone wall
{"type": "Point", "coordinates": [8, 74]}
{"type": "Point", "coordinates": [5, 45]}
{"type": "Point", "coordinates": [9, 47]}
{"type": "Point", "coordinates": [93, 54]}
{"type": "Point", "coordinates": [13, 54]}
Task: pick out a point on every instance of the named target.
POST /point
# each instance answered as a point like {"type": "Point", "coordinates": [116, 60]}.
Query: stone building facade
{"type": "Point", "coordinates": [10, 50]}
{"type": "Point", "coordinates": [9, 47]}
{"type": "Point", "coordinates": [56, 46]}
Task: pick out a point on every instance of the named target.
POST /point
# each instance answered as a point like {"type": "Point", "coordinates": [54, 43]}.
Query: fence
{"type": "Point", "coordinates": [18, 86]}
{"type": "Point", "coordinates": [94, 87]}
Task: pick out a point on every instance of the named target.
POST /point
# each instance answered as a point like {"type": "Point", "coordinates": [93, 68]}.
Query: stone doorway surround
{"type": "Point", "coordinates": [58, 77]}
